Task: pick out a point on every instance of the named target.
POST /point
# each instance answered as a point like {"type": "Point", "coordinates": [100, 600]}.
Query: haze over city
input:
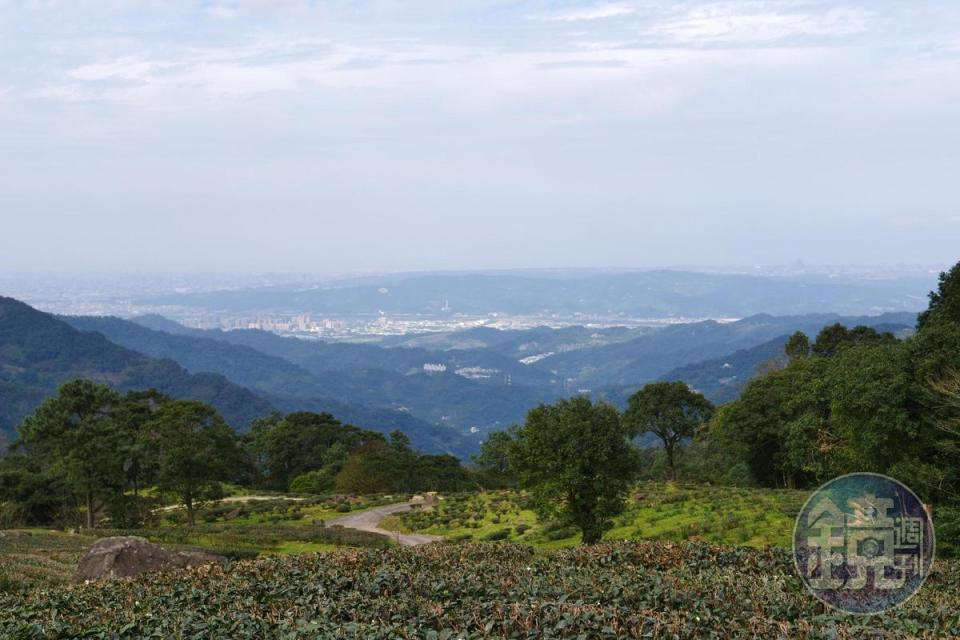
{"type": "Point", "coordinates": [342, 137]}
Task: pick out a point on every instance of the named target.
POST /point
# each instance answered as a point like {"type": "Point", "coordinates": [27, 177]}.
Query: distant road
{"type": "Point", "coordinates": [368, 521]}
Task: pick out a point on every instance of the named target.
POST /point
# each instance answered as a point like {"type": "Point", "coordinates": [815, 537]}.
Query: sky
{"type": "Point", "coordinates": [351, 136]}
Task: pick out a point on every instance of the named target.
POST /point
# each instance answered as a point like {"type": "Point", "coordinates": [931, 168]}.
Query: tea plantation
{"type": "Point", "coordinates": [650, 589]}
{"type": "Point", "coordinates": [656, 510]}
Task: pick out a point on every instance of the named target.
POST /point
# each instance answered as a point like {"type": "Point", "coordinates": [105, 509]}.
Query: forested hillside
{"type": "Point", "coordinates": [650, 356]}
{"type": "Point", "coordinates": [38, 353]}
{"type": "Point", "coordinates": [556, 362]}
{"type": "Point", "coordinates": [485, 387]}
{"type": "Point", "coordinates": [435, 409]}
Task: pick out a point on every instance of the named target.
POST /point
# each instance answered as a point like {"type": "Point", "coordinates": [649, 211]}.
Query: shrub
{"type": "Point", "coordinates": [630, 590]}
{"type": "Point", "coordinates": [463, 537]}
{"type": "Point", "coordinates": [947, 521]}
{"type": "Point", "coordinates": [560, 534]}
{"type": "Point", "coordinates": [499, 534]}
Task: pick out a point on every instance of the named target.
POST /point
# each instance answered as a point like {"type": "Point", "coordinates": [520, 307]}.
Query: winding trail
{"type": "Point", "coordinates": [368, 521]}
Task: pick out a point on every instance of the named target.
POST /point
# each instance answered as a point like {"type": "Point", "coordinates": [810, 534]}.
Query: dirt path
{"type": "Point", "coordinates": [368, 521]}
{"type": "Point", "coordinates": [229, 499]}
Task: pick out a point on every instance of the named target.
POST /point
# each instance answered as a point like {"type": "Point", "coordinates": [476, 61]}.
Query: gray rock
{"type": "Point", "coordinates": [125, 556]}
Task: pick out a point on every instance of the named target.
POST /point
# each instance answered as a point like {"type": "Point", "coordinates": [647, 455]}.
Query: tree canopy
{"type": "Point", "coordinates": [861, 401]}
{"type": "Point", "coordinates": [577, 459]}
{"type": "Point", "coordinates": [670, 410]}
{"type": "Point", "coordinates": [91, 451]}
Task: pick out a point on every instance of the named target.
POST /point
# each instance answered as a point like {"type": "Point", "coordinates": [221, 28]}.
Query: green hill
{"type": "Point", "coordinates": [38, 353]}
{"type": "Point", "coordinates": [297, 374]}
{"type": "Point", "coordinates": [371, 398]}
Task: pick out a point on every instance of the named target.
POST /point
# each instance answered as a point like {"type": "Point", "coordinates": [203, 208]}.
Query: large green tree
{"type": "Point", "coordinates": [671, 411]}
{"type": "Point", "coordinates": [77, 432]}
{"type": "Point", "coordinates": [576, 458]}
{"type": "Point", "coordinates": [196, 450]}
{"type": "Point", "coordinates": [779, 425]}
{"type": "Point", "coordinates": [493, 461]}
{"type": "Point", "coordinates": [287, 446]}
{"type": "Point", "coordinates": [798, 346]}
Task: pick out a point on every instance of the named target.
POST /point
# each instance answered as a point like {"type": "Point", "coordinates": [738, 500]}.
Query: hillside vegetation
{"type": "Point", "coordinates": [622, 590]}
{"type": "Point", "coordinates": [654, 511]}
{"type": "Point", "coordinates": [38, 353]}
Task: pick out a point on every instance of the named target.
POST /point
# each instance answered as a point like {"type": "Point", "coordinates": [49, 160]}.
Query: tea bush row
{"type": "Point", "coordinates": [616, 590]}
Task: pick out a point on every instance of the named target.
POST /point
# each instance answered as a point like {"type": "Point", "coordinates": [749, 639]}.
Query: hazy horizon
{"type": "Point", "coordinates": [791, 268]}
{"type": "Point", "coordinates": [377, 137]}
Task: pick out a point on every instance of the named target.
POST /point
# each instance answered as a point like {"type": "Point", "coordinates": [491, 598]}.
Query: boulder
{"type": "Point", "coordinates": [125, 556]}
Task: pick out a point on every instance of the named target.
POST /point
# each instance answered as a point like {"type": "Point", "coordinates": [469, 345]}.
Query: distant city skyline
{"type": "Point", "coordinates": [338, 138]}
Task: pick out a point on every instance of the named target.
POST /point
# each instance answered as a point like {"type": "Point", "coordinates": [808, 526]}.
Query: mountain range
{"type": "Point", "coordinates": [445, 390]}
{"type": "Point", "coordinates": [39, 352]}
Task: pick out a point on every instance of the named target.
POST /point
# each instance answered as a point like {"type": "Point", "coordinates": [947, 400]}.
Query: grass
{"type": "Point", "coordinates": [469, 516]}
{"type": "Point", "coordinates": [279, 509]}
{"type": "Point", "coordinates": [655, 510]}
{"type": "Point", "coordinates": [719, 515]}
{"type": "Point", "coordinates": [38, 558]}
{"type": "Point", "coordinates": [252, 539]}
{"type": "Point", "coordinates": [35, 558]}
{"type": "Point", "coordinates": [240, 529]}
{"type": "Point", "coordinates": [281, 526]}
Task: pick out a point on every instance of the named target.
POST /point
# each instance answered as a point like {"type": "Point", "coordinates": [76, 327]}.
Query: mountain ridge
{"type": "Point", "coordinates": [38, 352]}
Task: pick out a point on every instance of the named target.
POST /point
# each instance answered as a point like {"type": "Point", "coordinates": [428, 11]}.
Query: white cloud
{"type": "Point", "coordinates": [597, 12]}
{"type": "Point", "coordinates": [735, 23]}
{"type": "Point", "coordinates": [222, 12]}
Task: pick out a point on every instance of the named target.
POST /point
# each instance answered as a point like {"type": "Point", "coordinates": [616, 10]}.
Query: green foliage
{"type": "Point", "coordinates": [196, 450]}
{"type": "Point", "coordinates": [577, 461]}
{"type": "Point", "coordinates": [798, 346]}
{"type": "Point", "coordinates": [834, 338]}
{"type": "Point", "coordinates": [316, 482]}
{"type": "Point", "coordinates": [947, 521]}
{"type": "Point", "coordinates": [252, 539]}
{"type": "Point", "coordinates": [621, 590]}
{"type": "Point", "coordinates": [862, 401]}
{"type": "Point", "coordinates": [493, 461]}
{"type": "Point", "coordinates": [314, 453]}
{"type": "Point", "coordinates": [499, 534]}
{"type": "Point", "coordinates": [672, 511]}
{"type": "Point", "coordinates": [478, 514]}
{"type": "Point", "coordinates": [671, 411]}
{"type": "Point", "coordinates": [39, 353]}
{"type": "Point", "coordinates": [78, 433]}
{"type": "Point", "coordinates": [289, 446]}
{"type": "Point", "coordinates": [944, 305]}
{"type": "Point", "coordinates": [34, 494]}
{"type": "Point", "coordinates": [378, 467]}
{"type": "Point", "coordinates": [90, 447]}
{"type": "Point", "coordinates": [38, 559]}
